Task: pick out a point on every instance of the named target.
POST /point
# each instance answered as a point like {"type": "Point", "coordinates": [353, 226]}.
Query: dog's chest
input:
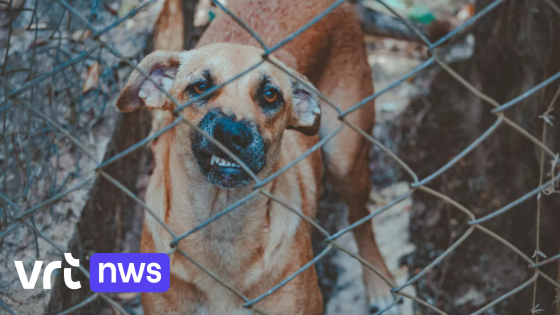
{"type": "Point", "coordinates": [240, 263]}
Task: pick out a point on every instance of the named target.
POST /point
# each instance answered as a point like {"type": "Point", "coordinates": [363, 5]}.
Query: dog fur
{"type": "Point", "coordinates": [260, 243]}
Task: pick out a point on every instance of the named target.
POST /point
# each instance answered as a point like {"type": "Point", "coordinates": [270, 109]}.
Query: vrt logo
{"type": "Point", "coordinates": [29, 284]}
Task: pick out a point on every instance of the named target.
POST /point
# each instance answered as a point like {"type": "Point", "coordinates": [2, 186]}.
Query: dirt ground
{"type": "Point", "coordinates": [37, 162]}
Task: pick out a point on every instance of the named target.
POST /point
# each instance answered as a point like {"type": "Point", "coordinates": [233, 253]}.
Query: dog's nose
{"type": "Point", "coordinates": [236, 136]}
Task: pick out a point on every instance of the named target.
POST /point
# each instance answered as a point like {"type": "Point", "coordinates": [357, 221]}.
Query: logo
{"type": "Point", "coordinates": [129, 272]}
{"type": "Point", "coordinates": [29, 284]}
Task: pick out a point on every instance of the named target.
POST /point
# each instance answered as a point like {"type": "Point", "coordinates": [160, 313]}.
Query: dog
{"type": "Point", "coordinates": [267, 118]}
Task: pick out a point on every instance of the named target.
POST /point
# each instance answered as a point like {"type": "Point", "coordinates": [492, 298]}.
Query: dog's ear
{"type": "Point", "coordinates": [162, 66]}
{"type": "Point", "coordinates": [306, 109]}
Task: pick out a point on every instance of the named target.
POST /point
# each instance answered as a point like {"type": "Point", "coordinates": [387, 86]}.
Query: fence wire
{"type": "Point", "coordinates": [88, 43]}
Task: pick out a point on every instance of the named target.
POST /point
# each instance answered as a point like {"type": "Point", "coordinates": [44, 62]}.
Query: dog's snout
{"type": "Point", "coordinates": [240, 136]}
{"type": "Point", "coordinates": [236, 136]}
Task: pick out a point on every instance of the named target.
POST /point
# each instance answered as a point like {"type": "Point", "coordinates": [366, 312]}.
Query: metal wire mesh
{"type": "Point", "coordinates": [68, 60]}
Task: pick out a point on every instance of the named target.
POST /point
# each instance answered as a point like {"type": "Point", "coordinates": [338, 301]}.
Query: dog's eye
{"type": "Point", "coordinates": [200, 88]}
{"type": "Point", "coordinates": [270, 96]}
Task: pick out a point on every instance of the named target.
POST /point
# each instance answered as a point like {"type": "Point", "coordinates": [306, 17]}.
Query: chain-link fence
{"type": "Point", "coordinates": [51, 109]}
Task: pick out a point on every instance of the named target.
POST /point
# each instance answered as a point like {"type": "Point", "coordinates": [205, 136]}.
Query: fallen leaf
{"type": "Point", "coordinates": [127, 6]}
{"type": "Point", "coordinates": [92, 78]}
{"type": "Point", "coordinates": [38, 43]}
{"type": "Point", "coordinates": [77, 35]}
{"type": "Point", "coordinates": [112, 8]}
{"type": "Point", "coordinates": [40, 26]}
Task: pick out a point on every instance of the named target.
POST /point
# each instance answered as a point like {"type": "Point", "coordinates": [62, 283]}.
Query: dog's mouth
{"type": "Point", "coordinates": [217, 163]}
{"type": "Point", "coordinates": [242, 138]}
{"type": "Point", "coordinates": [222, 164]}
{"type": "Point", "coordinates": [221, 170]}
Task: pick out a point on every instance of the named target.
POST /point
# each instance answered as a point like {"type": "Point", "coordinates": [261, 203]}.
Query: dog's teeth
{"type": "Point", "coordinates": [222, 162]}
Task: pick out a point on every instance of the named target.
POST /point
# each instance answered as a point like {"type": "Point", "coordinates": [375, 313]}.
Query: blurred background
{"type": "Point", "coordinates": [60, 81]}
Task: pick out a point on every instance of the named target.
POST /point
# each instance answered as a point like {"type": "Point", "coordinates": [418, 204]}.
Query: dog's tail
{"type": "Point", "coordinates": [169, 34]}
{"type": "Point", "coordinates": [169, 30]}
{"type": "Point", "coordinates": [175, 28]}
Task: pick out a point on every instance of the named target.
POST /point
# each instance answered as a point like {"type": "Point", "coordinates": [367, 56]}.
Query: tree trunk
{"type": "Point", "coordinates": [517, 46]}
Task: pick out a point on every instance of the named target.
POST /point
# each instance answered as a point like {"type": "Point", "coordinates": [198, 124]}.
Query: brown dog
{"type": "Point", "coordinates": [267, 119]}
